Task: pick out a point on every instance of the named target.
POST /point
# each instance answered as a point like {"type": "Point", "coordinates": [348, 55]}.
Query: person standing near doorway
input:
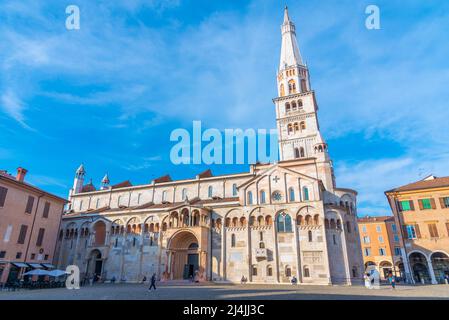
{"type": "Point", "coordinates": [392, 280]}
{"type": "Point", "coordinates": [153, 282]}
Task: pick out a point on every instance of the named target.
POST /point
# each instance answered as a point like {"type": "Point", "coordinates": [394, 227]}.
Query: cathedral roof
{"type": "Point", "coordinates": [165, 178]}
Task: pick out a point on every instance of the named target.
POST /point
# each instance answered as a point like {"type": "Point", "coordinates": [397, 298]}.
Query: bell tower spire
{"type": "Point", "coordinates": [296, 108]}
{"type": "Point", "coordinates": [290, 54]}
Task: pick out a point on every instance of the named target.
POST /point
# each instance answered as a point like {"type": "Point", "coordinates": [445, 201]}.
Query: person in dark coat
{"type": "Point", "coordinates": [153, 282]}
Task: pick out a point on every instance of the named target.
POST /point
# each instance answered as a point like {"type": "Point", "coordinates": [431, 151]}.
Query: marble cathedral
{"type": "Point", "coordinates": [270, 224]}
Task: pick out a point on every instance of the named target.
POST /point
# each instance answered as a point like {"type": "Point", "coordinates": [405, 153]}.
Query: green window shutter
{"type": "Point", "coordinates": [405, 205]}
{"type": "Point", "coordinates": [426, 204]}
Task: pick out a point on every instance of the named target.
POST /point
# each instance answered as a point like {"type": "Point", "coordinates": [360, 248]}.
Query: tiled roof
{"type": "Point", "coordinates": [428, 183]}
{"type": "Point", "coordinates": [375, 219]}
{"type": "Point", "coordinates": [123, 184]}
{"type": "Point", "coordinates": [205, 174]}
{"type": "Point", "coordinates": [5, 175]}
{"type": "Point", "coordinates": [165, 178]}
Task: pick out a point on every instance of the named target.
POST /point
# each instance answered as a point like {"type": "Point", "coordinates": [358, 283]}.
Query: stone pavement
{"type": "Point", "coordinates": [212, 291]}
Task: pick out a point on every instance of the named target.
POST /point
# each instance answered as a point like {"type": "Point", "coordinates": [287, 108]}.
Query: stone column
{"type": "Point", "coordinates": [345, 254]}
{"type": "Point", "coordinates": [249, 255]}
{"type": "Point", "coordinates": [61, 250]}
{"type": "Point", "coordinates": [75, 259]}
{"type": "Point", "coordinates": [276, 253]}
{"type": "Point", "coordinates": [223, 250]}
{"type": "Point", "coordinates": [142, 236]}
{"type": "Point", "coordinates": [431, 272]}
{"type": "Point", "coordinates": [297, 250]}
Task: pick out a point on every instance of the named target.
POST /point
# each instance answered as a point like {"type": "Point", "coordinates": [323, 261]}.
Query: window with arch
{"type": "Point", "coordinates": [287, 107]}
{"type": "Point", "coordinates": [97, 204]}
{"type": "Point", "coordinates": [250, 197]}
{"type": "Point", "coordinates": [306, 272]}
{"type": "Point", "coordinates": [284, 223]}
{"type": "Point", "coordinates": [261, 245]}
{"type": "Point", "coordinates": [289, 128]}
{"type": "Point", "coordinates": [288, 271]}
{"type": "Point", "coordinates": [184, 194]}
{"type": "Point", "coordinates": [303, 85]}
{"type": "Point", "coordinates": [234, 189]}
{"type": "Point", "coordinates": [300, 104]}
{"type": "Point", "coordinates": [291, 86]}
{"type": "Point", "coordinates": [164, 196]}
{"type": "Point", "coordinates": [294, 106]}
{"type": "Point", "coordinates": [254, 270]}
{"type": "Point", "coordinates": [305, 194]}
{"type": "Point", "coordinates": [282, 90]}
{"type": "Point", "coordinates": [302, 124]}
{"type": "Point", "coordinates": [296, 126]}
{"type": "Point", "coordinates": [233, 240]}
{"type": "Point", "coordinates": [310, 236]}
{"type": "Point", "coordinates": [269, 271]}
{"type": "Point", "coordinates": [297, 154]}
{"type": "Point", "coordinates": [210, 191]}
{"type": "Point", "coordinates": [262, 197]}
{"type": "Point", "coordinates": [291, 194]}
{"type": "Point", "coordinates": [301, 152]}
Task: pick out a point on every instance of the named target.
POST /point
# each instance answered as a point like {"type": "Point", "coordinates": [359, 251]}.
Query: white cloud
{"type": "Point", "coordinates": [14, 107]}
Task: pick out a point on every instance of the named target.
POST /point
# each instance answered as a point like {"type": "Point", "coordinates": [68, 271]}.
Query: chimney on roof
{"type": "Point", "coordinates": [21, 173]}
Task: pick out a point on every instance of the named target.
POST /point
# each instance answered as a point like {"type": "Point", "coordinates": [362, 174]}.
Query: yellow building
{"type": "Point", "coordinates": [422, 210]}
{"type": "Point", "coordinates": [381, 245]}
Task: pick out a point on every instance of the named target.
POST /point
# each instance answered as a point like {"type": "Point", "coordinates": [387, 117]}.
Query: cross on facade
{"type": "Point", "coordinates": [276, 179]}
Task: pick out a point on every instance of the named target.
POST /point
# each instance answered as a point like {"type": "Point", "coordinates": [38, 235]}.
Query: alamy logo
{"type": "Point", "coordinates": [73, 278]}
{"type": "Point", "coordinates": [228, 147]}
{"type": "Point", "coordinates": [73, 20]}
{"type": "Point", "coordinates": [372, 277]}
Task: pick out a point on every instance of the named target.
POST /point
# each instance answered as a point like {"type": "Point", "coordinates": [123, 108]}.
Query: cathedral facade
{"type": "Point", "coordinates": [270, 224]}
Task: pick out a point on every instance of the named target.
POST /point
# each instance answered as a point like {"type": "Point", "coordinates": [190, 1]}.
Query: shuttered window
{"type": "Point", "coordinates": [22, 234]}
{"type": "Point", "coordinates": [3, 192]}
{"type": "Point", "coordinates": [433, 231]}
{"type": "Point", "coordinates": [40, 237]}
{"type": "Point", "coordinates": [444, 202]}
{"type": "Point", "coordinates": [46, 209]}
{"type": "Point", "coordinates": [426, 204]}
{"type": "Point", "coordinates": [29, 207]}
{"type": "Point", "coordinates": [406, 205]}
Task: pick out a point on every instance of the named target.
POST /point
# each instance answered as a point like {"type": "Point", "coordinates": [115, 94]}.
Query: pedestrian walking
{"type": "Point", "coordinates": [153, 282]}
{"type": "Point", "coordinates": [392, 280]}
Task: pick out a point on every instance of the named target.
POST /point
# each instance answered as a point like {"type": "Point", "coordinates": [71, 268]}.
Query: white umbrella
{"type": "Point", "coordinates": [36, 272]}
{"type": "Point", "coordinates": [56, 273]}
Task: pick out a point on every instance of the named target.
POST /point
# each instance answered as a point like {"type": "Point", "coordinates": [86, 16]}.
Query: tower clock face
{"type": "Point", "coordinates": [277, 196]}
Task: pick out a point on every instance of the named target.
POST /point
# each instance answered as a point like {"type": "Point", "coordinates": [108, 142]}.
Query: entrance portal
{"type": "Point", "coordinates": [184, 257]}
{"type": "Point", "coordinates": [95, 264]}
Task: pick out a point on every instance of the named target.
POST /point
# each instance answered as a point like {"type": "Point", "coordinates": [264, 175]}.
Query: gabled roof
{"type": "Point", "coordinates": [123, 184]}
{"type": "Point", "coordinates": [427, 183]}
{"type": "Point", "coordinates": [205, 174]}
{"type": "Point", "coordinates": [165, 178]}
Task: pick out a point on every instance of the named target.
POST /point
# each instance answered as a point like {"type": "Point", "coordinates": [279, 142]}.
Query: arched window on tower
{"type": "Point", "coordinates": [294, 108]}
{"type": "Point", "coordinates": [233, 240]}
{"type": "Point", "coordinates": [300, 105]}
{"type": "Point", "coordinates": [291, 87]}
{"type": "Point", "coordinates": [289, 128]}
{"type": "Point", "coordinates": [296, 126]}
{"type": "Point", "coordinates": [281, 90]}
{"type": "Point", "coordinates": [303, 125]}
{"type": "Point", "coordinates": [310, 236]}
{"type": "Point", "coordinates": [287, 107]}
{"type": "Point", "coordinates": [297, 155]}
{"type": "Point", "coordinates": [303, 85]}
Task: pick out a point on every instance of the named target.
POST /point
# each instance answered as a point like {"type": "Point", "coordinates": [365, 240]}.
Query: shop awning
{"type": "Point", "coordinates": [48, 266]}
{"type": "Point", "coordinates": [20, 264]}
{"type": "Point", "coordinates": [35, 265]}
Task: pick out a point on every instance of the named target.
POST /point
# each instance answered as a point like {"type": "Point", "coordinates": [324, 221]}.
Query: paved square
{"type": "Point", "coordinates": [226, 291]}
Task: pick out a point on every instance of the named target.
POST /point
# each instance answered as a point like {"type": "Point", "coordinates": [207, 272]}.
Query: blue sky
{"type": "Point", "coordinates": [109, 94]}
